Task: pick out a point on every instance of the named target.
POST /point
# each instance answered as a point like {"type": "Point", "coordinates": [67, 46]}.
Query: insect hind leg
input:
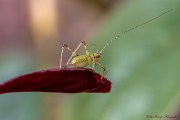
{"type": "Point", "coordinates": [60, 62]}
{"type": "Point", "coordinates": [70, 50]}
{"type": "Point", "coordinates": [73, 53]}
{"type": "Point", "coordinates": [85, 47]}
{"type": "Point", "coordinates": [62, 51]}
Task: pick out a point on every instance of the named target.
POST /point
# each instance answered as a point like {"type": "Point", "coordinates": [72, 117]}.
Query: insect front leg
{"type": "Point", "coordinates": [70, 50]}
{"type": "Point", "coordinates": [93, 63]}
{"type": "Point", "coordinates": [104, 70]}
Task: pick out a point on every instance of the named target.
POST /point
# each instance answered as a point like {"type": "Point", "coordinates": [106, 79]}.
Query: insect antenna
{"type": "Point", "coordinates": [134, 27]}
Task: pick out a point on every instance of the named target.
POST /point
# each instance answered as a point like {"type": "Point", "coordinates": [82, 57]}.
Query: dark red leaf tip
{"type": "Point", "coordinates": [69, 80]}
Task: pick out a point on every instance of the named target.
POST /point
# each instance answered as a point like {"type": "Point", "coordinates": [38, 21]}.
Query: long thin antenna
{"type": "Point", "coordinates": [133, 28]}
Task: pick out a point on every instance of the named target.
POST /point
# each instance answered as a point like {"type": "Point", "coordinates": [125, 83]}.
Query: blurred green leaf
{"type": "Point", "coordinates": [143, 65]}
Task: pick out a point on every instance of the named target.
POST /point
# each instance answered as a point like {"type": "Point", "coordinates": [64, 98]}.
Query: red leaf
{"type": "Point", "coordinates": [69, 80]}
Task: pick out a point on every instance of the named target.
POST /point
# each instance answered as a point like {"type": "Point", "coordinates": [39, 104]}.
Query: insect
{"type": "Point", "coordinates": [93, 58]}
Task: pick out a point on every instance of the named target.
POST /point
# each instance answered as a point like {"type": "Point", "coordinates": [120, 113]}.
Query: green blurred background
{"type": "Point", "coordinates": [143, 65]}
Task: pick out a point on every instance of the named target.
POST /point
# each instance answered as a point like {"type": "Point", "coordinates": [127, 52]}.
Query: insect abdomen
{"type": "Point", "coordinates": [80, 61]}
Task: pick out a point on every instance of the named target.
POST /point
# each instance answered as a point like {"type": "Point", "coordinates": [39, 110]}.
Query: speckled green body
{"type": "Point", "coordinates": [84, 60]}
